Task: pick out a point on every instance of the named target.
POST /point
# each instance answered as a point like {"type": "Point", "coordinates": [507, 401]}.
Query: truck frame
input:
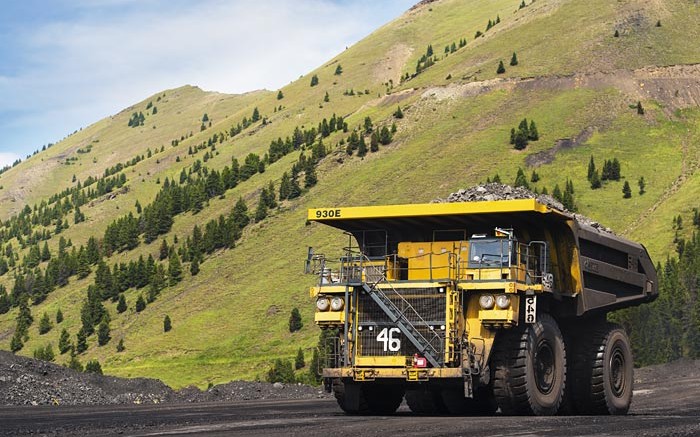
{"type": "Point", "coordinates": [467, 308]}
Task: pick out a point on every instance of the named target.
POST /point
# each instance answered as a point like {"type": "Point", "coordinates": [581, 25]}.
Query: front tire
{"type": "Point", "coordinates": [529, 365]}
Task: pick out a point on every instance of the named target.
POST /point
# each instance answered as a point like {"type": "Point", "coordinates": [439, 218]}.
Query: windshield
{"type": "Point", "coordinates": [488, 253]}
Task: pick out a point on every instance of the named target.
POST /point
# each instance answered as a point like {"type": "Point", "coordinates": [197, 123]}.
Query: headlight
{"type": "Point", "coordinates": [337, 303]}
{"type": "Point", "coordinates": [502, 301]}
{"type": "Point", "coordinates": [486, 301]}
{"type": "Point", "coordinates": [322, 303]}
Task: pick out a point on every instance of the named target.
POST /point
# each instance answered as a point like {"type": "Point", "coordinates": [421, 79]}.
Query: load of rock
{"type": "Point", "coordinates": [26, 381]}
{"type": "Point", "coordinates": [498, 191]}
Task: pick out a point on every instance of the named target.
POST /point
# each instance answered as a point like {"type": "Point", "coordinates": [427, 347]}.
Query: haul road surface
{"type": "Point", "coordinates": [666, 402]}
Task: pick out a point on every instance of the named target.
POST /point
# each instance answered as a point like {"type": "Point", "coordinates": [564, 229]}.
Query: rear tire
{"type": "Point", "coordinates": [603, 372]}
{"type": "Point", "coordinates": [529, 369]}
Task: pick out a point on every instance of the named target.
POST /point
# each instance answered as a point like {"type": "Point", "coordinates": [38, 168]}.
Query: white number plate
{"type": "Point", "coordinates": [530, 309]}
{"type": "Point", "coordinates": [390, 338]}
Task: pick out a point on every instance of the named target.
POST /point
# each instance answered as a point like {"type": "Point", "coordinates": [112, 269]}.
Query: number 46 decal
{"type": "Point", "coordinates": [391, 343]}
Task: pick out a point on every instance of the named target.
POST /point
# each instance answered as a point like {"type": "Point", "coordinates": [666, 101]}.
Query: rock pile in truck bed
{"type": "Point", "coordinates": [26, 381]}
{"type": "Point", "coordinates": [498, 191]}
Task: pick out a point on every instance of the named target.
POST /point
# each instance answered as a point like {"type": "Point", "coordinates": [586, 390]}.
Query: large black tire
{"type": "Point", "coordinates": [603, 374]}
{"type": "Point", "coordinates": [382, 399]}
{"type": "Point", "coordinates": [350, 398]}
{"type": "Point", "coordinates": [427, 401]}
{"type": "Point", "coordinates": [529, 369]}
{"type": "Point", "coordinates": [482, 404]}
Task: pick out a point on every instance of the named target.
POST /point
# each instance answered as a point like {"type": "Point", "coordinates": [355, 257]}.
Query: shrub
{"type": "Point", "coordinates": [93, 366]}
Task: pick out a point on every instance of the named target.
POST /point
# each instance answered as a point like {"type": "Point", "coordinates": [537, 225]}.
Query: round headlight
{"type": "Point", "coordinates": [337, 303]}
{"type": "Point", "coordinates": [486, 301]}
{"type": "Point", "coordinates": [322, 303]}
{"type": "Point", "coordinates": [502, 301]}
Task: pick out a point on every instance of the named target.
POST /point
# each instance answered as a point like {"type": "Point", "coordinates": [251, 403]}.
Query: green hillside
{"type": "Point", "coordinates": [574, 78]}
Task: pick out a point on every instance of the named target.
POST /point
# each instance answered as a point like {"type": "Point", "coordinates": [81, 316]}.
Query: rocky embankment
{"type": "Point", "coordinates": [25, 381]}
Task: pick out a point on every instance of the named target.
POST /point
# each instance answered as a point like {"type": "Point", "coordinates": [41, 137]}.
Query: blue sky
{"type": "Point", "coordinates": [67, 64]}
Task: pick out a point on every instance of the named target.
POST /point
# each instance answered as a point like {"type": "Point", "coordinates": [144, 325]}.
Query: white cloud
{"type": "Point", "coordinates": [82, 69]}
{"type": "Point", "coordinates": [7, 158]}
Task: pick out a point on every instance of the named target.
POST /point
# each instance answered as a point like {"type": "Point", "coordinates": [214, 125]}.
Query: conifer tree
{"type": "Point", "coordinates": [74, 363]}
{"type": "Point", "coordinates": [374, 142]}
{"type": "Point", "coordinates": [167, 324]}
{"type": "Point", "coordinates": [595, 180]}
{"type": "Point", "coordinates": [64, 344]}
{"type": "Point", "coordinates": [45, 253]}
{"type": "Point", "coordinates": [398, 113]}
{"type": "Point", "coordinates": [81, 341]}
{"type": "Point", "coordinates": [326, 98]}
{"type": "Point", "coordinates": [16, 342]}
{"type": "Point", "coordinates": [120, 345]}
{"type": "Point", "coordinates": [59, 316]}
{"type": "Point", "coordinates": [533, 135]}
{"type": "Point", "coordinates": [362, 148]}
{"type": "Point", "coordinates": [642, 185]}
{"type": "Point", "coordinates": [310, 178]}
{"type": "Point", "coordinates": [314, 80]}
{"type": "Point", "coordinates": [261, 210]}
{"type": "Point", "coordinates": [591, 168]}
{"type": "Point", "coordinates": [338, 70]}
{"type": "Point", "coordinates": [121, 305]}
{"type": "Point", "coordinates": [556, 193]}
{"type": "Point", "coordinates": [103, 331]}
{"type": "Point", "coordinates": [299, 360]}
{"type": "Point", "coordinates": [285, 186]}
{"type": "Point", "coordinates": [239, 214]}
{"type": "Point", "coordinates": [501, 68]}
{"type": "Point", "coordinates": [521, 180]}
{"type": "Point", "coordinates": [174, 269]}
{"type": "Point", "coordinates": [280, 95]}
{"type": "Point", "coordinates": [535, 177]}
{"type": "Point", "coordinates": [617, 33]}
{"type": "Point", "coordinates": [295, 322]}
{"type": "Point", "coordinates": [385, 136]}
{"type": "Point", "coordinates": [93, 366]}
{"type": "Point", "coordinates": [514, 60]}
{"type": "Point", "coordinates": [194, 266]}
{"type": "Point", "coordinates": [626, 190]}
{"type": "Point", "coordinates": [140, 304]}
{"type": "Point", "coordinates": [640, 108]}
{"type": "Point", "coordinates": [44, 324]}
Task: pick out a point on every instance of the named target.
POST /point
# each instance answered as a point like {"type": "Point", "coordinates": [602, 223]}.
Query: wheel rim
{"type": "Point", "coordinates": [618, 381]}
{"type": "Point", "coordinates": [544, 367]}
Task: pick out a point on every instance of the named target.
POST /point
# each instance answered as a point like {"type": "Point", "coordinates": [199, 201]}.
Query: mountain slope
{"type": "Point", "coordinates": [574, 78]}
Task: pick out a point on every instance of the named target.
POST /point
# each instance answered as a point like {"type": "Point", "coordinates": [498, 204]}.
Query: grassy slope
{"type": "Point", "coordinates": [233, 316]}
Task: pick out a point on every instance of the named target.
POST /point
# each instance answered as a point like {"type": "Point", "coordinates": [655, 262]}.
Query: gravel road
{"type": "Point", "coordinates": [666, 402]}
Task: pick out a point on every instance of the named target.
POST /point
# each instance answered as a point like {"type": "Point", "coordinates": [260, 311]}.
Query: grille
{"type": "Point", "coordinates": [429, 303]}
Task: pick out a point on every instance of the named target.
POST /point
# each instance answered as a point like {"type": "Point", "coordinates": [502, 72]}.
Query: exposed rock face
{"type": "Point", "coordinates": [497, 191]}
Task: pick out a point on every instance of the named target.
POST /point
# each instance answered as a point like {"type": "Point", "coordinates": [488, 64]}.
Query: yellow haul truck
{"type": "Point", "coordinates": [464, 308]}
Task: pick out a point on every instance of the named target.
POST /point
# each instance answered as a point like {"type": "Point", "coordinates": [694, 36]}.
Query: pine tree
{"type": "Point", "coordinates": [285, 186]}
{"type": "Point", "coordinates": [74, 364]}
{"type": "Point", "coordinates": [398, 113]}
{"type": "Point", "coordinates": [338, 70]}
{"type": "Point", "coordinates": [295, 322]}
{"type": "Point", "coordinates": [260, 211]}
{"type": "Point", "coordinates": [591, 168]}
{"type": "Point", "coordinates": [626, 190]}
{"type": "Point", "coordinates": [533, 135]}
{"type": "Point", "coordinates": [615, 173]}
{"type": "Point", "coordinates": [326, 98]}
{"type": "Point", "coordinates": [595, 180]}
{"type": "Point", "coordinates": [556, 193]}
{"type": "Point", "coordinates": [81, 341]}
{"type": "Point", "coordinates": [385, 136]}
{"type": "Point", "coordinates": [280, 95]}
{"type": "Point", "coordinates": [45, 253]}
{"type": "Point", "coordinates": [174, 269]}
{"type": "Point", "coordinates": [64, 344]}
{"type": "Point", "coordinates": [314, 80]}
{"type": "Point", "coordinates": [16, 342]}
{"type": "Point", "coordinates": [640, 108]}
{"type": "Point", "coordinates": [93, 366]}
{"type": "Point", "coordinates": [121, 305]}
{"type": "Point", "coordinates": [310, 178]}
{"type": "Point", "coordinates": [44, 324]}
{"type": "Point", "coordinates": [520, 179]}
{"type": "Point", "coordinates": [194, 267]}
{"type": "Point", "coordinates": [120, 345]}
{"type": "Point", "coordinates": [362, 148]}
{"type": "Point", "coordinates": [535, 177]}
{"type": "Point", "coordinates": [374, 142]}
{"type": "Point", "coordinates": [140, 304]}
{"type": "Point", "coordinates": [617, 33]}
{"type": "Point", "coordinates": [59, 316]}
{"type": "Point", "coordinates": [514, 60]}
{"type": "Point", "coordinates": [103, 330]}
{"type": "Point", "coordinates": [239, 214]}
{"type": "Point", "coordinates": [299, 360]}
{"type": "Point", "coordinates": [501, 68]}
{"type": "Point", "coordinates": [167, 324]}
{"type": "Point", "coordinates": [642, 185]}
